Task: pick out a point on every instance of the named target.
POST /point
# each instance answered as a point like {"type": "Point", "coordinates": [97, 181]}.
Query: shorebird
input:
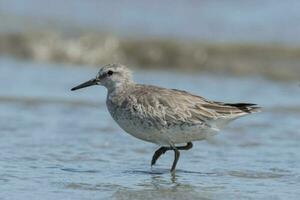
{"type": "Point", "coordinates": [167, 117]}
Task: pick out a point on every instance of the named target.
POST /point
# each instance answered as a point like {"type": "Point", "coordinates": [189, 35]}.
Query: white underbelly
{"type": "Point", "coordinates": [142, 131]}
{"type": "Point", "coordinates": [166, 136]}
{"type": "Point", "coordinates": [189, 133]}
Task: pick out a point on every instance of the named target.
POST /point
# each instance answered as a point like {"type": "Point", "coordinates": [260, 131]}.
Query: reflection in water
{"type": "Point", "coordinates": [158, 186]}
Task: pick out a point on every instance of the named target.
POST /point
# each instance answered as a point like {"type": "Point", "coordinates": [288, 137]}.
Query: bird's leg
{"type": "Point", "coordinates": [188, 146]}
{"type": "Point", "coordinates": [163, 150]}
{"type": "Point", "coordinates": [158, 153]}
{"type": "Point", "coordinates": [176, 157]}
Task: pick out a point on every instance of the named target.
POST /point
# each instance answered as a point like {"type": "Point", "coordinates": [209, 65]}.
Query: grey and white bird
{"type": "Point", "coordinates": [166, 117]}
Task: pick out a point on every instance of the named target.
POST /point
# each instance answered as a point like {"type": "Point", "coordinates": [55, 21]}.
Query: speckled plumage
{"type": "Point", "coordinates": [166, 116]}
{"type": "Point", "coordinates": [163, 116]}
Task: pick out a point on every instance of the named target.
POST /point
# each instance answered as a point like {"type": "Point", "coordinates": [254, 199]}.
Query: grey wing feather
{"type": "Point", "coordinates": [172, 106]}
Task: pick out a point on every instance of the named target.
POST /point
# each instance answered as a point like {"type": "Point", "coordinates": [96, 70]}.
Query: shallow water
{"type": "Point", "coordinates": [58, 144]}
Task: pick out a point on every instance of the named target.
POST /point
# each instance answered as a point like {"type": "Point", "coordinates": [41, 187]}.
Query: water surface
{"type": "Point", "coordinates": [58, 144]}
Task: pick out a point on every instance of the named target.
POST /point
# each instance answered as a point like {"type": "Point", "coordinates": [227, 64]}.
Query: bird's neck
{"type": "Point", "coordinates": [119, 91]}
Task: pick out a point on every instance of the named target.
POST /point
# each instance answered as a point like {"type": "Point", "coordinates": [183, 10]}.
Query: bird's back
{"type": "Point", "coordinates": [177, 106]}
{"type": "Point", "coordinates": [159, 108]}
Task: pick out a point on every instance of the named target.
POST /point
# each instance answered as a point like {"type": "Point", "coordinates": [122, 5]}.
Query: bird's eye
{"type": "Point", "coordinates": [109, 73]}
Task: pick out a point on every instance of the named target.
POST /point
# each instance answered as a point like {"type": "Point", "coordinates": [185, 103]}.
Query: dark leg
{"type": "Point", "coordinates": [188, 146]}
{"type": "Point", "coordinates": [163, 150]}
{"type": "Point", "coordinates": [158, 153]}
{"type": "Point", "coordinates": [176, 157]}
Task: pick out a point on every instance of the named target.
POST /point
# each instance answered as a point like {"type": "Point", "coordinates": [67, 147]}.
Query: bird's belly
{"type": "Point", "coordinates": [134, 125]}
{"type": "Point", "coordinates": [186, 133]}
{"type": "Point", "coordinates": [143, 130]}
{"type": "Point", "coordinates": [153, 131]}
{"type": "Point", "coordinates": [146, 131]}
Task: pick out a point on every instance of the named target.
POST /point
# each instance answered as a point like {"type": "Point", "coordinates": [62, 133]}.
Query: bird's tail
{"type": "Point", "coordinates": [237, 110]}
{"type": "Point", "coordinates": [246, 107]}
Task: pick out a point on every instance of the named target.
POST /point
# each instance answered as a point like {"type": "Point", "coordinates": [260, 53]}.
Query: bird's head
{"type": "Point", "coordinates": [110, 76]}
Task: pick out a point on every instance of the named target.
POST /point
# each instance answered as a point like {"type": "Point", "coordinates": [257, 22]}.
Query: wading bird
{"type": "Point", "coordinates": [166, 117]}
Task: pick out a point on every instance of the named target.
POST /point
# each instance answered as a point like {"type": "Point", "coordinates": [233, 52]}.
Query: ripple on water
{"type": "Point", "coordinates": [160, 171]}
{"type": "Point", "coordinates": [3, 180]}
{"type": "Point", "coordinates": [255, 174]}
{"type": "Point", "coordinates": [80, 170]}
{"type": "Point", "coordinates": [91, 187]}
{"type": "Point", "coordinates": [162, 193]}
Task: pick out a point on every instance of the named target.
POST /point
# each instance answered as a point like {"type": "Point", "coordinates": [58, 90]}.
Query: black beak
{"type": "Point", "coordinates": [85, 84]}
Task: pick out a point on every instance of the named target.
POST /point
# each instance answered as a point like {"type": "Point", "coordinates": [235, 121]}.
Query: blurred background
{"type": "Point", "coordinates": [233, 37]}
{"type": "Point", "coordinates": [61, 144]}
